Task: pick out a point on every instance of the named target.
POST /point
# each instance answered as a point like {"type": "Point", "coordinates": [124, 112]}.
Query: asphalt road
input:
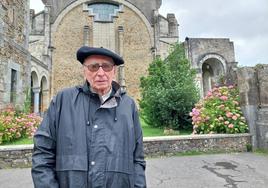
{"type": "Point", "coordinates": [242, 170]}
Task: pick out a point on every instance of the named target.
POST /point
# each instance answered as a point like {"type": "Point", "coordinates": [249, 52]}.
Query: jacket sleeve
{"type": "Point", "coordinates": [139, 162]}
{"type": "Point", "coordinates": [43, 159]}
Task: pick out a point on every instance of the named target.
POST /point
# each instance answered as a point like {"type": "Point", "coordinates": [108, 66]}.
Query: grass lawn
{"type": "Point", "coordinates": [152, 131]}
{"type": "Point", "coordinates": [261, 151]}
{"type": "Point", "coordinates": [20, 141]}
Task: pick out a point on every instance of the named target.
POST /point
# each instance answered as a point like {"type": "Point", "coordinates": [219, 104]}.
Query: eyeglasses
{"type": "Point", "coordinates": [94, 67]}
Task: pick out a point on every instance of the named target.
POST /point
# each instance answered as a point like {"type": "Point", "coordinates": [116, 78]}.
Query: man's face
{"type": "Point", "coordinates": [100, 78]}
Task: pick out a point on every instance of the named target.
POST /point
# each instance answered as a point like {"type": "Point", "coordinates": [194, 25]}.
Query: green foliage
{"type": "Point", "coordinates": [15, 125]}
{"type": "Point", "coordinates": [27, 103]}
{"type": "Point", "coordinates": [149, 131]}
{"type": "Point", "coordinates": [219, 112]}
{"type": "Point", "coordinates": [169, 91]}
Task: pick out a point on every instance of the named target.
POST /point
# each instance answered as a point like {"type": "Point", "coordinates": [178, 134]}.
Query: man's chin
{"type": "Point", "coordinates": [102, 87]}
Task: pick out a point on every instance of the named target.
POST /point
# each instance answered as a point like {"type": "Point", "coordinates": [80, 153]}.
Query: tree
{"type": "Point", "coordinates": [169, 91]}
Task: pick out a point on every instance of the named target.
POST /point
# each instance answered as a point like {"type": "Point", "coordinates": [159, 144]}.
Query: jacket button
{"type": "Point", "coordinates": [95, 126]}
{"type": "Point", "coordinates": [92, 163]}
{"type": "Point", "coordinates": [87, 122]}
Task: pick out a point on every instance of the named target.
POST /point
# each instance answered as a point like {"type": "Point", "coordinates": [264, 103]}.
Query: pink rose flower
{"type": "Point", "coordinates": [195, 112]}
{"type": "Point", "coordinates": [229, 114]}
{"type": "Point", "coordinates": [226, 122]}
{"type": "Point", "coordinates": [230, 126]}
{"type": "Point", "coordinates": [224, 98]}
{"type": "Point", "coordinates": [209, 94]}
{"type": "Point", "coordinates": [234, 117]}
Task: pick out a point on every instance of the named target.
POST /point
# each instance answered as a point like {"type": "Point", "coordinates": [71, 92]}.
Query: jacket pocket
{"type": "Point", "coordinates": [71, 171]}
{"type": "Point", "coordinates": [119, 171]}
{"type": "Point", "coordinates": [119, 162]}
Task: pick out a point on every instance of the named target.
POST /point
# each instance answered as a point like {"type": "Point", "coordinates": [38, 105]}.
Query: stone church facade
{"type": "Point", "coordinates": [15, 58]}
{"type": "Point", "coordinates": [132, 28]}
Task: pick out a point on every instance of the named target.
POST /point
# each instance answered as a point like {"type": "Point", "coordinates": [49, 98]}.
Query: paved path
{"type": "Point", "coordinates": [243, 170]}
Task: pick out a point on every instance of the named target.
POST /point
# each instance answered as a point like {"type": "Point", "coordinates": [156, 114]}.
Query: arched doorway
{"type": "Point", "coordinates": [43, 95]}
{"type": "Point", "coordinates": [35, 89]}
{"type": "Point", "coordinates": [212, 71]}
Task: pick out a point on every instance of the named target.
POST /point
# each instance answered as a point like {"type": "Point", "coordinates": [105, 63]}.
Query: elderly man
{"type": "Point", "coordinates": [91, 135]}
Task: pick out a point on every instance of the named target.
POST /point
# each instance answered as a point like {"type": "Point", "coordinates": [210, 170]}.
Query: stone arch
{"type": "Point", "coordinates": [34, 79]}
{"type": "Point", "coordinates": [125, 3]}
{"type": "Point", "coordinates": [213, 67]}
{"type": "Point", "coordinates": [213, 56]}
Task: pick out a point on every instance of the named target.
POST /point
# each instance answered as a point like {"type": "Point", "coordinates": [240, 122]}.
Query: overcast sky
{"type": "Point", "coordinates": [245, 22]}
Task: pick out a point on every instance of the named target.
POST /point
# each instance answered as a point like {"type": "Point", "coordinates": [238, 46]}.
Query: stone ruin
{"type": "Point", "coordinates": [253, 87]}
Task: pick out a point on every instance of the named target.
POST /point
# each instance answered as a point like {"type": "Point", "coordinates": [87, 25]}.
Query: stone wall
{"type": "Point", "coordinates": [253, 86]}
{"type": "Point", "coordinates": [199, 47]}
{"type": "Point", "coordinates": [212, 58]}
{"type": "Point", "coordinates": [16, 156]}
{"type": "Point", "coordinates": [168, 145]}
{"type": "Point", "coordinates": [137, 51]}
{"type": "Point", "coordinates": [36, 46]}
{"type": "Point", "coordinates": [20, 156]}
{"type": "Point", "coordinates": [66, 40]}
{"type": "Point", "coordinates": [168, 34]}
{"type": "Point", "coordinates": [146, 7]}
{"type": "Point", "coordinates": [14, 55]}
{"type": "Point", "coordinates": [38, 23]}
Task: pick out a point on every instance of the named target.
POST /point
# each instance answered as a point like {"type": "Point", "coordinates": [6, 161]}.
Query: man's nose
{"type": "Point", "coordinates": [100, 71]}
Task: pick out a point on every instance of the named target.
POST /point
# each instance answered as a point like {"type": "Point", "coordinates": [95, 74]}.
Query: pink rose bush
{"type": "Point", "coordinates": [219, 112]}
{"type": "Point", "coordinates": [15, 125]}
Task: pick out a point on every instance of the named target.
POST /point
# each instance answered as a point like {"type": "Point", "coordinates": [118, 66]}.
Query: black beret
{"type": "Point", "coordinates": [86, 51]}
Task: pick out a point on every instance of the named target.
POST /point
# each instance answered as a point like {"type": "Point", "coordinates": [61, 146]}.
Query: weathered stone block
{"type": "Point", "coordinates": [248, 86]}
{"type": "Point", "coordinates": [262, 128]}
{"type": "Point", "coordinates": [262, 71]}
{"type": "Point", "coordinates": [20, 163]}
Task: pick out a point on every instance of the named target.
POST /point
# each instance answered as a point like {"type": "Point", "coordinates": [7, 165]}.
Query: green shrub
{"type": "Point", "coordinates": [15, 125]}
{"type": "Point", "coordinates": [27, 102]}
{"type": "Point", "coordinates": [169, 91]}
{"type": "Point", "coordinates": [219, 112]}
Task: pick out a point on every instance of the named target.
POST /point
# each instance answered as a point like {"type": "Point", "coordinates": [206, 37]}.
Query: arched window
{"type": "Point", "coordinates": [103, 12]}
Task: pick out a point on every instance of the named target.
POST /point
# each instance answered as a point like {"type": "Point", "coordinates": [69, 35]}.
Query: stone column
{"type": "Point", "coordinates": [155, 48]}
{"type": "Point", "coordinates": [47, 32]}
{"type": "Point", "coordinates": [86, 35]}
{"type": "Point", "coordinates": [32, 13]}
{"type": "Point", "coordinates": [36, 92]}
{"type": "Point", "coordinates": [248, 91]}
{"type": "Point", "coordinates": [121, 69]}
{"type": "Point", "coordinates": [262, 120]}
{"type": "Point", "coordinates": [45, 100]}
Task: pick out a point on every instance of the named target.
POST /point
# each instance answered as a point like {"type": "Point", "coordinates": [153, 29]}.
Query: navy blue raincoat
{"type": "Point", "coordinates": [83, 143]}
